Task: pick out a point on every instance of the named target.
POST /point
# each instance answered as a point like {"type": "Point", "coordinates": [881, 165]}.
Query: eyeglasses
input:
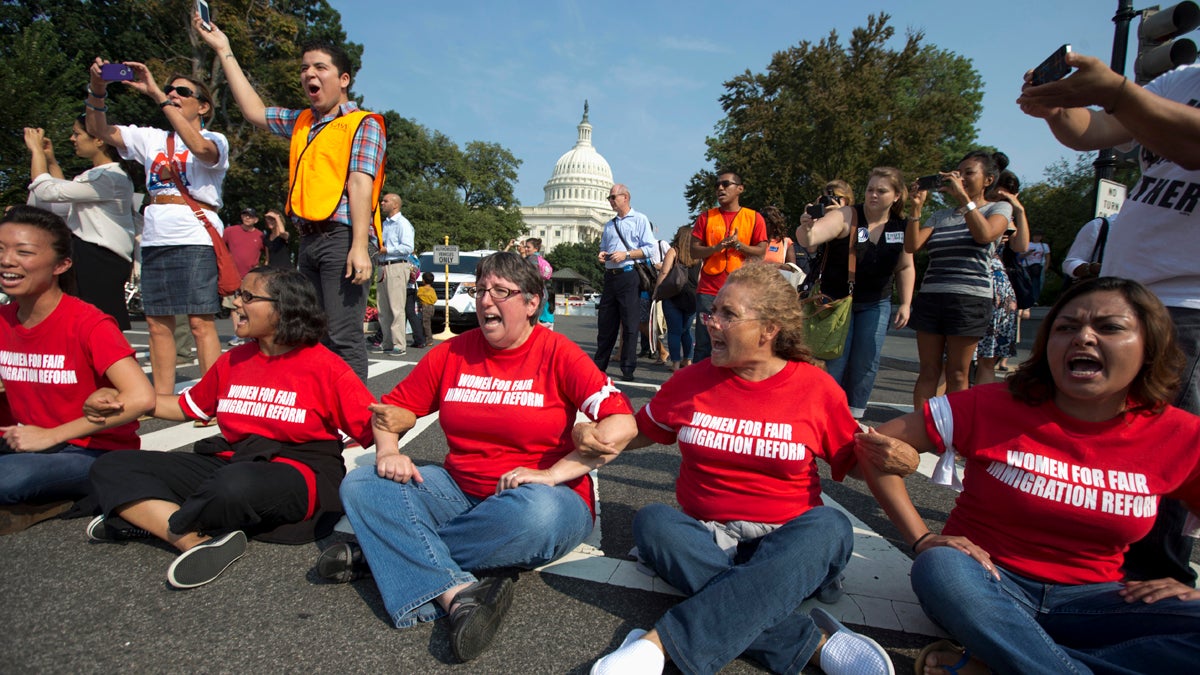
{"type": "Point", "coordinates": [185, 92]}
{"type": "Point", "coordinates": [722, 321]}
{"type": "Point", "coordinates": [498, 293]}
{"type": "Point", "coordinates": [726, 183]}
{"type": "Point", "coordinates": [619, 194]}
{"type": "Point", "coordinates": [247, 297]}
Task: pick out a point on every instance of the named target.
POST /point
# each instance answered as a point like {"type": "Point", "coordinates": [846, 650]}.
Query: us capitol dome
{"type": "Point", "coordinates": [575, 207]}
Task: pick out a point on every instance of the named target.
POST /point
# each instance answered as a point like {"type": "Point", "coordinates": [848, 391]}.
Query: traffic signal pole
{"type": "Point", "coordinates": [1106, 160]}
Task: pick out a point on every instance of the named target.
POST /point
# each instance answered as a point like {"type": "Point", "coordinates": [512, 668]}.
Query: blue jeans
{"type": "Point", "coordinates": [422, 539]}
{"type": "Point", "coordinates": [679, 331]}
{"type": "Point", "coordinates": [45, 476]}
{"type": "Point", "coordinates": [1023, 626]}
{"type": "Point", "coordinates": [856, 368]}
{"type": "Point", "coordinates": [323, 262]}
{"type": "Point", "coordinates": [749, 605]}
{"type": "Point", "coordinates": [704, 305]}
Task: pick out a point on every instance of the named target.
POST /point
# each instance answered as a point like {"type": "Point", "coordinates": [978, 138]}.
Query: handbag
{"type": "Point", "coordinates": [827, 321]}
{"type": "Point", "coordinates": [646, 275]}
{"type": "Point", "coordinates": [673, 283]}
{"type": "Point", "coordinates": [229, 280]}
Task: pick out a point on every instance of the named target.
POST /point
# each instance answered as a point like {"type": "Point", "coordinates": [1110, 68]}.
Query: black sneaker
{"type": "Point", "coordinates": [99, 530]}
{"type": "Point", "coordinates": [478, 611]}
{"type": "Point", "coordinates": [201, 564]}
{"type": "Point", "coordinates": [343, 562]}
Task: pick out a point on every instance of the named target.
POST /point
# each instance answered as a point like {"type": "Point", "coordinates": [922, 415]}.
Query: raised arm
{"type": "Point", "coordinates": [96, 106]}
{"type": "Point", "coordinates": [916, 236]}
{"type": "Point", "coordinates": [247, 98]}
{"type": "Point", "coordinates": [834, 224]}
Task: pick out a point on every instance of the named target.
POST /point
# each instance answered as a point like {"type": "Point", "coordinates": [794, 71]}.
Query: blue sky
{"type": "Point", "coordinates": [518, 73]}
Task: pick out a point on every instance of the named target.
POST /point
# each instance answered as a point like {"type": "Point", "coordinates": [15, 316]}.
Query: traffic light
{"type": "Point", "coordinates": [1158, 52]}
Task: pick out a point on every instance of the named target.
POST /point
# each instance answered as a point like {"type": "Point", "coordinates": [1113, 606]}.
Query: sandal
{"type": "Point", "coordinates": [966, 664]}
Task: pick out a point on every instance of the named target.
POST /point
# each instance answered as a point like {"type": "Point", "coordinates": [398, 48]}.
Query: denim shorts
{"type": "Point", "coordinates": [952, 314]}
{"type": "Point", "coordinates": [179, 280]}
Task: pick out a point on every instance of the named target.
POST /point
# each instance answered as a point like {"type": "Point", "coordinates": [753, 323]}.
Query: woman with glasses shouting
{"type": "Point", "coordinates": [179, 268]}
{"type": "Point", "coordinates": [273, 472]}
{"type": "Point", "coordinates": [514, 493]}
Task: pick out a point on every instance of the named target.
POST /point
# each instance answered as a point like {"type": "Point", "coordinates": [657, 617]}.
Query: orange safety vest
{"type": "Point", "coordinates": [727, 260]}
{"type": "Point", "coordinates": [317, 169]}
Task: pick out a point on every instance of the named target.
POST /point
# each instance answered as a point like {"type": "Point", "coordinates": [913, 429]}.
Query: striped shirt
{"type": "Point", "coordinates": [957, 263]}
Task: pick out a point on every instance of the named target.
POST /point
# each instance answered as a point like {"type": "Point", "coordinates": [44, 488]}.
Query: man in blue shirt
{"type": "Point", "coordinates": [394, 269]}
{"type": "Point", "coordinates": [627, 237]}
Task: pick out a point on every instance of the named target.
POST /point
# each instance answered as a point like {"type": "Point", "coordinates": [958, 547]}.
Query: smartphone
{"type": "Point", "coordinates": [113, 72]}
{"type": "Point", "coordinates": [1053, 68]}
{"type": "Point", "coordinates": [929, 183]}
{"type": "Point", "coordinates": [205, 14]}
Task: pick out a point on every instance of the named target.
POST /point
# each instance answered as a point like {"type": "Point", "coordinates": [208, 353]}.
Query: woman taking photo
{"type": "Point", "coordinates": [1064, 468]}
{"type": "Point", "coordinates": [280, 400]}
{"type": "Point", "coordinates": [877, 226]}
{"type": "Point", "coordinates": [954, 308]}
{"type": "Point", "coordinates": [751, 540]}
{"type": "Point", "coordinates": [59, 350]}
{"type": "Point", "coordinates": [179, 268]}
{"type": "Point", "coordinates": [1000, 340]}
{"type": "Point", "coordinates": [679, 310]}
{"type": "Point", "coordinates": [279, 254]}
{"type": "Point", "coordinates": [98, 207]}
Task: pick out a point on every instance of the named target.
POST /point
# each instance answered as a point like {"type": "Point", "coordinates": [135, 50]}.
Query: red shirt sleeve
{"type": "Point", "coordinates": [106, 344]}
{"type": "Point", "coordinates": [200, 401]}
{"type": "Point", "coordinates": [759, 234]}
{"type": "Point", "coordinates": [588, 389]}
{"type": "Point", "coordinates": [350, 408]}
{"type": "Point", "coordinates": [699, 230]}
{"type": "Point", "coordinates": [420, 392]}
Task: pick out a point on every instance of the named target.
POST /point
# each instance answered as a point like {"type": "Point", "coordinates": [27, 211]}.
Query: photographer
{"type": "Point", "coordinates": [878, 229]}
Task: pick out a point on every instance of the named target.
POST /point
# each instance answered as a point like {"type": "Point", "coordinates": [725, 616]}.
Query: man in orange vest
{"type": "Point", "coordinates": [335, 180]}
{"type": "Point", "coordinates": [724, 238]}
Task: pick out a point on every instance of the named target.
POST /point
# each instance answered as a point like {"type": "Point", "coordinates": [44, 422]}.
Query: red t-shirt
{"type": "Point", "coordinates": [505, 408]}
{"type": "Point", "coordinates": [748, 447]}
{"type": "Point", "coordinates": [246, 247]}
{"type": "Point", "coordinates": [711, 283]}
{"type": "Point", "coordinates": [305, 395]}
{"type": "Point", "coordinates": [1058, 499]}
{"type": "Point", "coordinates": [50, 370]}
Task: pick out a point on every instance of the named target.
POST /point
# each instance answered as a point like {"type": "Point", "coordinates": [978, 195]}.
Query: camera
{"type": "Point", "coordinates": [818, 210]}
{"type": "Point", "coordinates": [929, 183]}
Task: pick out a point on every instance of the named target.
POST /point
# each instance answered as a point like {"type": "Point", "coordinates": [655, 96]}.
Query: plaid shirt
{"type": "Point", "coordinates": [366, 153]}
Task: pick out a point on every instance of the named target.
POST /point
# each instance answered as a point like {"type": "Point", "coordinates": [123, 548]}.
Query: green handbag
{"type": "Point", "coordinates": [827, 321]}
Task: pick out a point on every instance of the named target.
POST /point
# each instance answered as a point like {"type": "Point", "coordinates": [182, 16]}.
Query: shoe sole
{"type": "Point", "coordinates": [201, 564]}
{"type": "Point", "coordinates": [336, 564]}
{"type": "Point", "coordinates": [476, 634]}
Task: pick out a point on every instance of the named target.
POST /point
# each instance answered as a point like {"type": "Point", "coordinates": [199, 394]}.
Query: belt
{"type": "Point", "coordinates": [617, 270]}
{"type": "Point", "coordinates": [176, 199]}
{"type": "Point", "coordinates": [307, 227]}
{"type": "Point", "coordinates": [391, 262]}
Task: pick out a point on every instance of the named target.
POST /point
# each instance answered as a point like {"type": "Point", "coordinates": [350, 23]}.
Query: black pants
{"type": "Point", "coordinates": [414, 319]}
{"type": "Point", "coordinates": [618, 311]}
{"type": "Point", "coordinates": [213, 495]}
{"type": "Point", "coordinates": [101, 276]}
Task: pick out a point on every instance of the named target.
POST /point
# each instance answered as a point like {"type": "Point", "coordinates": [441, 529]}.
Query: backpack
{"type": "Point", "coordinates": [545, 268]}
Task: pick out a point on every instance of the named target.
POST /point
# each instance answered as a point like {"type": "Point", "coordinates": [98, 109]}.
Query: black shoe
{"type": "Point", "coordinates": [204, 563]}
{"type": "Point", "coordinates": [627, 377]}
{"type": "Point", "coordinates": [343, 562]}
{"type": "Point", "coordinates": [99, 530]}
{"type": "Point", "coordinates": [478, 611]}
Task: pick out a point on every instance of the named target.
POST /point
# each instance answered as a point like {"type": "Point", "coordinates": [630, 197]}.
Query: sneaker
{"type": "Point", "coordinates": [848, 653]}
{"type": "Point", "coordinates": [397, 351]}
{"type": "Point", "coordinates": [478, 612]}
{"type": "Point", "coordinates": [204, 563]}
{"type": "Point", "coordinates": [343, 562]}
{"type": "Point", "coordinates": [100, 530]}
{"type": "Point", "coordinates": [235, 342]}
{"type": "Point", "coordinates": [375, 347]}
{"type": "Point", "coordinates": [635, 655]}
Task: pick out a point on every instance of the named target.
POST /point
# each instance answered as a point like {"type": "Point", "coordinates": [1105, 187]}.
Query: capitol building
{"type": "Point", "coordinates": [576, 206]}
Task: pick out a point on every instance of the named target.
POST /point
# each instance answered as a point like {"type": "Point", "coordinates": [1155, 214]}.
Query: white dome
{"type": "Point", "coordinates": [581, 176]}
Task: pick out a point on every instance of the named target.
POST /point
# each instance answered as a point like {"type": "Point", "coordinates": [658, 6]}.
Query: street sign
{"type": "Point", "coordinates": [1110, 195]}
{"type": "Point", "coordinates": [445, 255]}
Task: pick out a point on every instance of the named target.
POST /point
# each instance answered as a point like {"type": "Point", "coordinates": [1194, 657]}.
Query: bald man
{"type": "Point", "coordinates": [627, 237]}
{"type": "Point", "coordinates": [391, 288]}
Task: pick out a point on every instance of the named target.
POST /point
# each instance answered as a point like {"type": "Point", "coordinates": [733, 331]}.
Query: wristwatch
{"type": "Point", "coordinates": [969, 207]}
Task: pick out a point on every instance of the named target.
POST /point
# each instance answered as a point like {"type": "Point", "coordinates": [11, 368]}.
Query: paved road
{"type": "Point", "coordinates": [74, 606]}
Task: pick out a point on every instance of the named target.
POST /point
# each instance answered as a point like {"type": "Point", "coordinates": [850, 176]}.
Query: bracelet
{"type": "Point", "coordinates": [920, 539]}
{"type": "Point", "coordinates": [228, 56]}
{"type": "Point", "coordinates": [166, 104]}
{"type": "Point", "coordinates": [95, 95]}
{"type": "Point", "coordinates": [1112, 109]}
{"type": "Point", "coordinates": [102, 108]}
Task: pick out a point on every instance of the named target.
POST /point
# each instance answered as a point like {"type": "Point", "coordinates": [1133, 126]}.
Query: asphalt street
{"type": "Point", "coordinates": [70, 605]}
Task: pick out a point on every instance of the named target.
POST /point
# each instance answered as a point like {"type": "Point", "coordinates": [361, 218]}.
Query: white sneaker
{"type": "Point", "coordinates": [848, 653]}
{"type": "Point", "coordinates": [635, 656]}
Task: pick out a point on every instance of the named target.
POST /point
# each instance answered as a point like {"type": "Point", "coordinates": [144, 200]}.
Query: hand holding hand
{"type": "Point", "coordinates": [102, 404]}
{"type": "Point", "coordinates": [387, 418]}
{"type": "Point", "coordinates": [887, 454]}
{"type": "Point", "coordinates": [587, 440]}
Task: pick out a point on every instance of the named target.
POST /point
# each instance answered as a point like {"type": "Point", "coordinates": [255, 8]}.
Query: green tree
{"type": "Point", "coordinates": [583, 257]}
{"type": "Point", "coordinates": [824, 111]}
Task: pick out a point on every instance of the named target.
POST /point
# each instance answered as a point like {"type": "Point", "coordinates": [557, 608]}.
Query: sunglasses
{"type": "Point", "coordinates": [247, 297]}
{"type": "Point", "coordinates": [726, 183]}
{"type": "Point", "coordinates": [185, 92]}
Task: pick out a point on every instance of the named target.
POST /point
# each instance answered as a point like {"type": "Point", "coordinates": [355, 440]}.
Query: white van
{"type": "Point", "coordinates": [462, 277]}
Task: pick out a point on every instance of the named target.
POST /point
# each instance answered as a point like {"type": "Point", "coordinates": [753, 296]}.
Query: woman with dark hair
{"type": "Point", "coordinates": [1064, 468]}
{"type": "Point", "coordinates": [513, 493]}
{"type": "Point", "coordinates": [679, 310]}
{"type": "Point", "coordinates": [1000, 340]}
{"type": "Point", "coordinates": [275, 240]}
{"type": "Point", "coordinates": [98, 207]}
{"type": "Point", "coordinates": [57, 351]}
{"type": "Point", "coordinates": [179, 268]}
{"type": "Point", "coordinates": [280, 400]}
{"type": "Point", "coordinates": [780, 251]}
{"type": "Point", "coordinates": [877, 226]}
{"type": "Point", "coordinates": [954, 308]}
{"type": "Point", "coordinates": [751, 539]}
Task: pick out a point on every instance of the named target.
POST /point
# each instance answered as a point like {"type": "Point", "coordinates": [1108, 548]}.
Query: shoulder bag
{"type": "Point", "coordinates": [827, 321]}
{"type": "Point", "coordinates": [646, 275]}
{"type": "Point", "coordinates": [228, 278]}
{"type": "Point", "coordinates": [673, 283]}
